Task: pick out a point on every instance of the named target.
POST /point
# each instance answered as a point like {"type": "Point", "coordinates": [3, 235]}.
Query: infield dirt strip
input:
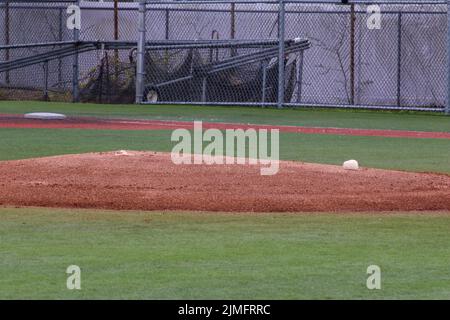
{"type": "Point", "coordinates": [150, 181]}
{"type": "Point", "coordinates": [18, 121]}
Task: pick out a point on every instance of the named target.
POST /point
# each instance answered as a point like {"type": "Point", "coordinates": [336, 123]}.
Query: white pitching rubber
{"type": "Point", "coordinates": [122, 153]}
{"type": "Point", "coordinates": [351, 165]}
{"type": "Point", "coordinates": [45, 116]}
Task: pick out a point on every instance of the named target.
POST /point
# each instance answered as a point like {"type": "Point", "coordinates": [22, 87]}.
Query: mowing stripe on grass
{"type": "Point", "coordinates": [362, 119]}
{"type": "Point", "coordinates": [16, 121]}
{"type": "Point", "coordinates": [423, 155]}
{"type": "Point", "coordinates": [163, 255]}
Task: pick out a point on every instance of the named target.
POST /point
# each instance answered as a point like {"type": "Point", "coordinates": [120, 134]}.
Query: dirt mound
{"type": "Point", "coordinates": [150, 181]}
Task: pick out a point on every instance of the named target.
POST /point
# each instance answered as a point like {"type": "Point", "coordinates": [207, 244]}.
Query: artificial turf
{"type": "Point", "coordinates": [155, 255]}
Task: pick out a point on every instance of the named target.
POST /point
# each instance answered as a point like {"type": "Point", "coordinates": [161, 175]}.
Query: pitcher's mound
{"type": "Point", "coordinates": [150, 181]}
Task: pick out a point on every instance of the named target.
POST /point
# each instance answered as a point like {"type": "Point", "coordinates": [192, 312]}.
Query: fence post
{"type": "Point", "coordinates": [352, 53]}
{"type": "Point", "coordinates": [116, 38]}
{"type": "Point", "coordinates": [7, 39]}
{"type": "Point", "coordinates": [299, 77]}
{"type": "Point", "coordinates": [447, 105]}
{"type": "Point", "coordinates": [60, 38]}
{"type": "Point", "coordinates": [46, 81]}
{"type": "Point", "coordinates": [281, 54]}
{"type": "Point", "coordinates": [399, 60]}
{"type": "Point", "coordinates": [167, 32]}
{"type": "Point", "coordinates": [140, 73]}
{"type": "Point", "coordinates": [75, 65]}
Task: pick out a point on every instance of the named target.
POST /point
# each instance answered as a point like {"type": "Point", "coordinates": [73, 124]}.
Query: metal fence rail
{"type": "Point", "coordinates": [401, 66]}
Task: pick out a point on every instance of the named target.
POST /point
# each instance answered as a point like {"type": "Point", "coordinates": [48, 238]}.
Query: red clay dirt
{"type": "Point", "coordinates": [18, 121]}
{"type": "Point", "coordinates": [150, 181]}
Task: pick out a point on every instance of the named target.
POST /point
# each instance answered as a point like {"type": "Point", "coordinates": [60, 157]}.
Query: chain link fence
{"type": "Point", "coordinates": [27, 30]}
{"type": "Point", "coordinates": [230, 54]}
{"type": "Point", "coordinates": [401, 64]}
{"type": "Point", "coordinates": [196, 52]}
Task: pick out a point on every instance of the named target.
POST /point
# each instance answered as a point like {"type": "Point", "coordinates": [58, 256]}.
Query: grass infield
{"type": "Point", "coordinates": [424, 155]}
{"type": "Point", "coordinates": [182, 255]}
{"type": "Point", "coordinates": [155, 255]}
{"type": "Point", "coordinates": [255, 115]}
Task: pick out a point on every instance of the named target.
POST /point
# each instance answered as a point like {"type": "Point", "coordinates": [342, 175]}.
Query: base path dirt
{"type": "Point", "coordinates": [18, 121]}
{"type": "Point", "coordinates": [150, 181]}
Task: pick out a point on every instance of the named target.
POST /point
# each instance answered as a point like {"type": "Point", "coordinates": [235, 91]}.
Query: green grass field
{"type": "Point", "coordinates": [170, 255]}
{"type": "Point", "coordinates": [222, 256]}
{"type": "Point", "coordinates": [296, 117]}
{"type": "Point", "coordinates": [389, 153]}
